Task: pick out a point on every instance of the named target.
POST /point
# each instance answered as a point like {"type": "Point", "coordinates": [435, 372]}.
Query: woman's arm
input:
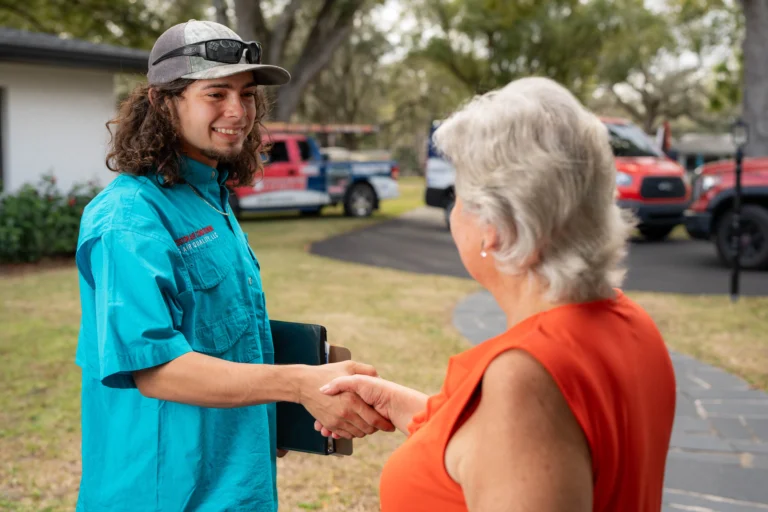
{"type": "Point", "coordinates": [522, 449]}
{"type": "Point", "coordinates": [395, 402]}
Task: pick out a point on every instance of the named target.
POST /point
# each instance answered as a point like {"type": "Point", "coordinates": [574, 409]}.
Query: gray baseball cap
{"type": "Point", "coordinates": [198, 68]}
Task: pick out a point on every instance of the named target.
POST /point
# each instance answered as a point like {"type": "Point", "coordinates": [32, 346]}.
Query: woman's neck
{"type": "Point", "coordinates": [520, 297]}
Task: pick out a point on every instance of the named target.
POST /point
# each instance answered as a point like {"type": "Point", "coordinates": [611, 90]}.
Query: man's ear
{"type": "Point", "coordinates": [152, 94]}
{"type": "Point", "coordinates": [154, 99]}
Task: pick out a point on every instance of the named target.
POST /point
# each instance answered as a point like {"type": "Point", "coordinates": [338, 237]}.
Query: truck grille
{"type": "Point", "coordinates": [662, 187]}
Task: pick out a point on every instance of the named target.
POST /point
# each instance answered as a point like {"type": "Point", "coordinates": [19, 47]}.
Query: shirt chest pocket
{"type": "Point", "coordinates": [221, 323]}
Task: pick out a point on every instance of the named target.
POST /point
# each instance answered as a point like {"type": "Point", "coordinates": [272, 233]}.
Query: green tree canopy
{"type": "Point", "coordinates": [132, 23]}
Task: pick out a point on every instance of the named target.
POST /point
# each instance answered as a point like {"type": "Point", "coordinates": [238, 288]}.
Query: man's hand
{"type": "Point", "coordinates": [345, 414]}
{"type": "Point", "coordinates": [392, 401]}
{"type": "Point", "coordinates": [372, 390]}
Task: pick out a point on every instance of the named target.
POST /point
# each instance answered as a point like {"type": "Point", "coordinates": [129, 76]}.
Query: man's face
{"type": "Point", "coordinates": [215, 116]}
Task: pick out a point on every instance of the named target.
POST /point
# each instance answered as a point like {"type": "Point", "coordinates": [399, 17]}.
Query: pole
{"type": "Point", "coordinates": [736, 228]}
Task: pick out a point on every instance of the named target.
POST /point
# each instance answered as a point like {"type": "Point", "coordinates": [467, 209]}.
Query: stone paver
{"type": "Point", "coordinates": [718, 456]}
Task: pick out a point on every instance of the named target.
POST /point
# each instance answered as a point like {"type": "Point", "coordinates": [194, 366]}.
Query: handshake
{"type": "Point", "coordinates": [348, 399]}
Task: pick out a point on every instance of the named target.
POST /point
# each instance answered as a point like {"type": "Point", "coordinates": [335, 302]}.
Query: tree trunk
{"type": "Point", "coordinates": [649, 121]}
{"type": "Point", "coordinates": [250, 21]}
{"type": "Point", "coordinates": [220, 6]}
{"type": "Point", "coordinates": [281, 32]}
{"type": "Point", "coordinates": [314, 58]}
{"type": "Point", "coordinates": [287, 101]}
{"type": "Point", "coordinates": [755, 103]}
{"type": "Point", "coordinates": [331, 28]}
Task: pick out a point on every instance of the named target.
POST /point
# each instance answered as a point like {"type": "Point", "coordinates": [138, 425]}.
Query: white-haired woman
{"type": "Point", "coordinates": [572, 407]}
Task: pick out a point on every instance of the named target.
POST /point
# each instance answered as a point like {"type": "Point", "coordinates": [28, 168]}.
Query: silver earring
{"type": "Point", "coordinates": [483, 254]}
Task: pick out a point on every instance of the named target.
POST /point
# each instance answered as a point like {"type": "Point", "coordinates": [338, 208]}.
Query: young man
{"type": "Point", "coordinates": [178, 385]}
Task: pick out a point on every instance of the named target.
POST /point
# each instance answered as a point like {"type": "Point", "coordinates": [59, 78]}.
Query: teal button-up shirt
{"type": "Point", "coordinates": [162, 273]}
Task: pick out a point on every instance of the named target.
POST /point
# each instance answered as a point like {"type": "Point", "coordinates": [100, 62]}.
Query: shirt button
{"type": "Point", "coordinates": [213, 174]}
{"type": "Point", "coordinates": [250, 281]}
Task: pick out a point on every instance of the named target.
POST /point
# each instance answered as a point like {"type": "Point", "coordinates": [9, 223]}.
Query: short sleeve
{"type": "Point", "coordinates": [135, 315]}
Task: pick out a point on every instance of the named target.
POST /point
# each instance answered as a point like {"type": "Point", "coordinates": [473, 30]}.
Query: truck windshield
{"type": "Point", "coordinates": [629, 140]}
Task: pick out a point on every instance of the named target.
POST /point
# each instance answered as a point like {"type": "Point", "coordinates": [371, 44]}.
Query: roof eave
{"type": "Point", "coordinates": [68, 58]}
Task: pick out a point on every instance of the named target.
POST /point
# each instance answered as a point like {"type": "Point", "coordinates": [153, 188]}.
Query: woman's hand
{"type": "Point", "coordinates": [346, 414]}
{"type": "Point", "coordinates": [392, 401]}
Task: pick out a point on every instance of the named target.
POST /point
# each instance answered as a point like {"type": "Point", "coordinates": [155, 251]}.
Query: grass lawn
{"type": "Point", "coordinates": [399, 322]}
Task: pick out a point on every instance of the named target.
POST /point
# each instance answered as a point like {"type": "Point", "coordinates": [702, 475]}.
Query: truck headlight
{"type": "Point", "coordinates": [707, 182]}
{"type": "Point", "coordinates": [623, 179]}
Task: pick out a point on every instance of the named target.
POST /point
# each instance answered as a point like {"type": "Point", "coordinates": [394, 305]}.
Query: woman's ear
{"type": "Point", "coordinates": [490, 238]}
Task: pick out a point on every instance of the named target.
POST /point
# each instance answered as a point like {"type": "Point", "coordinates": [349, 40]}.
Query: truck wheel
{"type": "Point", "coordinates": [234, 204]}
{"type": "Point", "coordinates": [360, 201]}
{"type": "Point", "coordinates": [655, 233]}
{"type": "Point", "coordinates": [754, 237]}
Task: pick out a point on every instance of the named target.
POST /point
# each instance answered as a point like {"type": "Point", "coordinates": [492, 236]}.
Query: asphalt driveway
{"type": "Point", "coordinates": [419, 242]}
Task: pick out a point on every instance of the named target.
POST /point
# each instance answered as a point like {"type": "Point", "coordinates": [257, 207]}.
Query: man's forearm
{"type": "Point", "coordinates": [206, 381]}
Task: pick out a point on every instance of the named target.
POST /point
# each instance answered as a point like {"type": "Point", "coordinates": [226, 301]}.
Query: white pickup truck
{"type": "Point", "coordinates": [440, 178]}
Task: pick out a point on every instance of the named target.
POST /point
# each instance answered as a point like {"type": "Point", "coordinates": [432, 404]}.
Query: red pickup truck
{"type": "Point", "coordinates": [648, 182]}
{"type": "Point", "coordinates": [298, 177]}
{"type": "Point", "coordinates": [709, 216]}
{"type": "Point", "coordinates": [653, 186]}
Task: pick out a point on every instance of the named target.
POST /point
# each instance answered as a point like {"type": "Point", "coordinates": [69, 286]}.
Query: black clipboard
{"type": "Point", "coordinates": [303, 343]}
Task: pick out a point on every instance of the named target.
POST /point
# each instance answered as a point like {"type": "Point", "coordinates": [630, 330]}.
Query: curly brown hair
{"type": "Point", "coordinates": [146, 139]}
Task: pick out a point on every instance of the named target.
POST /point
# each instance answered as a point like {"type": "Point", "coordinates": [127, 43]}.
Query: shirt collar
{"type": "Point", "coordinates": [198, 173]}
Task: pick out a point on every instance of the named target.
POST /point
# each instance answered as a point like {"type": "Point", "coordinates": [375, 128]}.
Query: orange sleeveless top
{"type": "Point", "coordinates": [613, 368]}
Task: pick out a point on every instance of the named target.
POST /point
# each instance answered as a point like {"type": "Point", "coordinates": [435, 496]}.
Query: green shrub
{"type": "Point", "coordinates": [39, 221]}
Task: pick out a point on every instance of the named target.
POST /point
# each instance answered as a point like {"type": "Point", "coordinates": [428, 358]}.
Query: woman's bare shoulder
{"type": "Point", "coordinates": [515, 381]}
{"type": "Point", "coordinates": [518, 374]}
{"type": "Point", "coordinates": [522, 443]}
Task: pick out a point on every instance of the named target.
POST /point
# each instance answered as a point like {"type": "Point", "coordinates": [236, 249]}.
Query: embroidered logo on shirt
{"type": "Point", "coordinates": [196, 239]}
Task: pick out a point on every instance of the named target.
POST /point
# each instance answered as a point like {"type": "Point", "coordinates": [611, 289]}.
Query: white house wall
{"type": "Point", "coordinates": [53, 120]}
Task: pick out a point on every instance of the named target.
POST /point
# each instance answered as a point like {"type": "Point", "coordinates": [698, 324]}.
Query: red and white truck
{"type": "Point", "coordinates": [298, 177]}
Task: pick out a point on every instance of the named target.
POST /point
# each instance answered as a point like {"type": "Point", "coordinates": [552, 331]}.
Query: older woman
{"type": "Point", "coordinates": [572, 407]}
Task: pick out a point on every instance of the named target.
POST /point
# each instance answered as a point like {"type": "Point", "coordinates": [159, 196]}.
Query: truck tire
{"type": "Point", "coordinates": [360, 200]}
{"type": "Point", "coordinates": [754, 237]}
{"type": "Point", "coordinates": [655, 233]}
{"type": "Point", "coordinates": [234, 204]}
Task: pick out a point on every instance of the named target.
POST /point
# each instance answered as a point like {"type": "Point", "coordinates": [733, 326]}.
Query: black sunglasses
{"type": "Point", "coordinates": [228, 51]}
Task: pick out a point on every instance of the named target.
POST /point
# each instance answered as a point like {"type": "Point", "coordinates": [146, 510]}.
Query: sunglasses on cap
{"type": "Point", "coordinates": [227, 51]}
